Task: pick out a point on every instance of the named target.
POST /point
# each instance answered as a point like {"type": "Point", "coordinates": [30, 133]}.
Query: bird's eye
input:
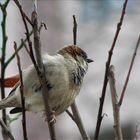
{"type": "Point", "coordinates": [84, 55]}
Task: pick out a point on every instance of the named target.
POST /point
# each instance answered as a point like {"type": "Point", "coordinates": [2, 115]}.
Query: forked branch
{"type": "Point", "coordinates": [102, 98]}
{"type": "Point", "coordinates": [115, 105]}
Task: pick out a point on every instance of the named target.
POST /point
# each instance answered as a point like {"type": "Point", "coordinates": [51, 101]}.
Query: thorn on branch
{"type": "Point", "coordinates": [42, 25]}
{"type": "Point", "coordinates": [104, 115]}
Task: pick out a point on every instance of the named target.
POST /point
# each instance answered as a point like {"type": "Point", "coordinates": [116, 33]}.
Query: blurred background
{"type": "Point", "coordinates": [97, 22]}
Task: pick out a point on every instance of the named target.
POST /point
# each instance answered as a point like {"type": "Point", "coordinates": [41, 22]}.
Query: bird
{"type": "Point", "coordinates": [64, 74]}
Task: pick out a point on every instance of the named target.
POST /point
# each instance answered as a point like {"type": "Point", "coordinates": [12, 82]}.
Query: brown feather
{"type": "Point", "coordinates": [74, 51]}
{"type": "Point", "coordinates": [11, 81]}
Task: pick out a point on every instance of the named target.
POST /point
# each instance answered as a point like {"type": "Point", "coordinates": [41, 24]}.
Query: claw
{"type": "Point", "coordinates": [52, 118]}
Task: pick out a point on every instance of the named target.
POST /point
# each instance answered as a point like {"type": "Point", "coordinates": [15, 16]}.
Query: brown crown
{"type": "Point", "coordinates": [73, 50]}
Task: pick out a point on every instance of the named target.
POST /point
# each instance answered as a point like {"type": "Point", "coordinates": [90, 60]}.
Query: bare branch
{"type": "Point", "coordinates": [3, 56]}
{"type": "Point", "coordinates": [35, 5]}
{"type": "Point", "coordinates": [76, 114]}
{"type": "Point", "coordinates": [18, 49]}
{"type": "Point", "coordinates": [39, 66]}
{"type": "Point", "coordinates": [71, 115]}
{"type": "Point", "coordinates": [31, 54]}
{"type": "Point", "coordinates": [23, 44]}
{"type": "Point", "coordinates": [74, 30]}
{"type": "Point", "coordinates": [116, 107]}
{"type": "Point", "coordinates": [24, 20]}
{"type": "Point", "coordinates": [129, 71]}
{"type": "Point", "coordinates": [79, 122]}
{"type": "Point", "coordinates": [42, 25]}
{"type": "Point", "coordinates": [99, 117]}
{"type": "Point", "coordinates": [42, 76]}
{"type": "Point", "coordinates": [22, 12]}
{"type": "Point", "coordinates": [22, 94]}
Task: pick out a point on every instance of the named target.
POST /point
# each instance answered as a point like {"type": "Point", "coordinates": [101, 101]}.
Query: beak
{"type": "Point", "coordinates": [89, 60]}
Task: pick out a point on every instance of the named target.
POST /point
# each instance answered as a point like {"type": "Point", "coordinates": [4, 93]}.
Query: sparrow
{"type": "Point", "coordinates": [64, 73]}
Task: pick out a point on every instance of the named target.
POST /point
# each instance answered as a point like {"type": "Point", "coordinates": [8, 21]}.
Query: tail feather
{"type": "Point", "coordinates": [11, 100]}
{"type": "Point", "coordinates": [2, 105]}
{"type": "Point", "coordinates": [7, 102]}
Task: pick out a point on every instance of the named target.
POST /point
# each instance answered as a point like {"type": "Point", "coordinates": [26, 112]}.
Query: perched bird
{"type": "Point", "coordinates": [64, 72]}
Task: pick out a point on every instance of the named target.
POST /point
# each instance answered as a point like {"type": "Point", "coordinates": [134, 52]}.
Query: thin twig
{"type": "Point", "coordinates": [24, 20]}
{"type": "Point", "coordinates": [18, 49]}
{"type": "Point", "coordinates": [4, 41]}
{"type": "Point", "coordinates": [42, 76]}
{"type": "Point", "coordinates": [23, 13]}
{"type": "Point", "coordinates": [42, 24]}
{"type": "Point", "coordinates": [129, 72]}
{"type": "Point", "coordinates": [35, 5]}
{"type": "Point", "coordinates": [102, 98]}
{"type": "Point", "coordinates": [74, 30]}
{"type": "Point", "coordinates": [27, 35]}
{"type": "Point", "coordinates": [4, 6]}
{"type": "Point", "coordinates": [71, 115]}
{"type": "Point", "coordinates": [116, 107]}
{"type": "Point", "coordinates": [78, 121]}
{"type": "Point", "coordinates": [3, 56]}
{"type": "Point", "coordinates": [22, 94]}
{"type": "Point", "coordinates": [23, 45]}
{"type": "Point", "coordinates": [7, 131]}
{"type": "Point", "coordinates": [76, 114]}
{"type": "Point", "coordinates": [30, 53]}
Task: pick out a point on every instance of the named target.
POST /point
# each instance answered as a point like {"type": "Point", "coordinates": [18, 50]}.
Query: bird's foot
{"type": "Point", "coordinates": [52, 118]}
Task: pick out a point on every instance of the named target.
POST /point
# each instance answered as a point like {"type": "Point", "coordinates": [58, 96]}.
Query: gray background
{"type": "Point", "coordinates": [97, 22]}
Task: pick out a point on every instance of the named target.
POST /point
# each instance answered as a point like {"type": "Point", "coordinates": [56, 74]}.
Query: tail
{"type": "Point", "coordinates": [5, 103]}
{"type": "Point", "coordinates": [2, 106]}
{"type": "Point", "coordinates": [11, 100]}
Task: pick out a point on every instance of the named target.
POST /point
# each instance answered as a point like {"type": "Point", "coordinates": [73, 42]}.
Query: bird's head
{"type": "Point", "coordinates": [77, 54]}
